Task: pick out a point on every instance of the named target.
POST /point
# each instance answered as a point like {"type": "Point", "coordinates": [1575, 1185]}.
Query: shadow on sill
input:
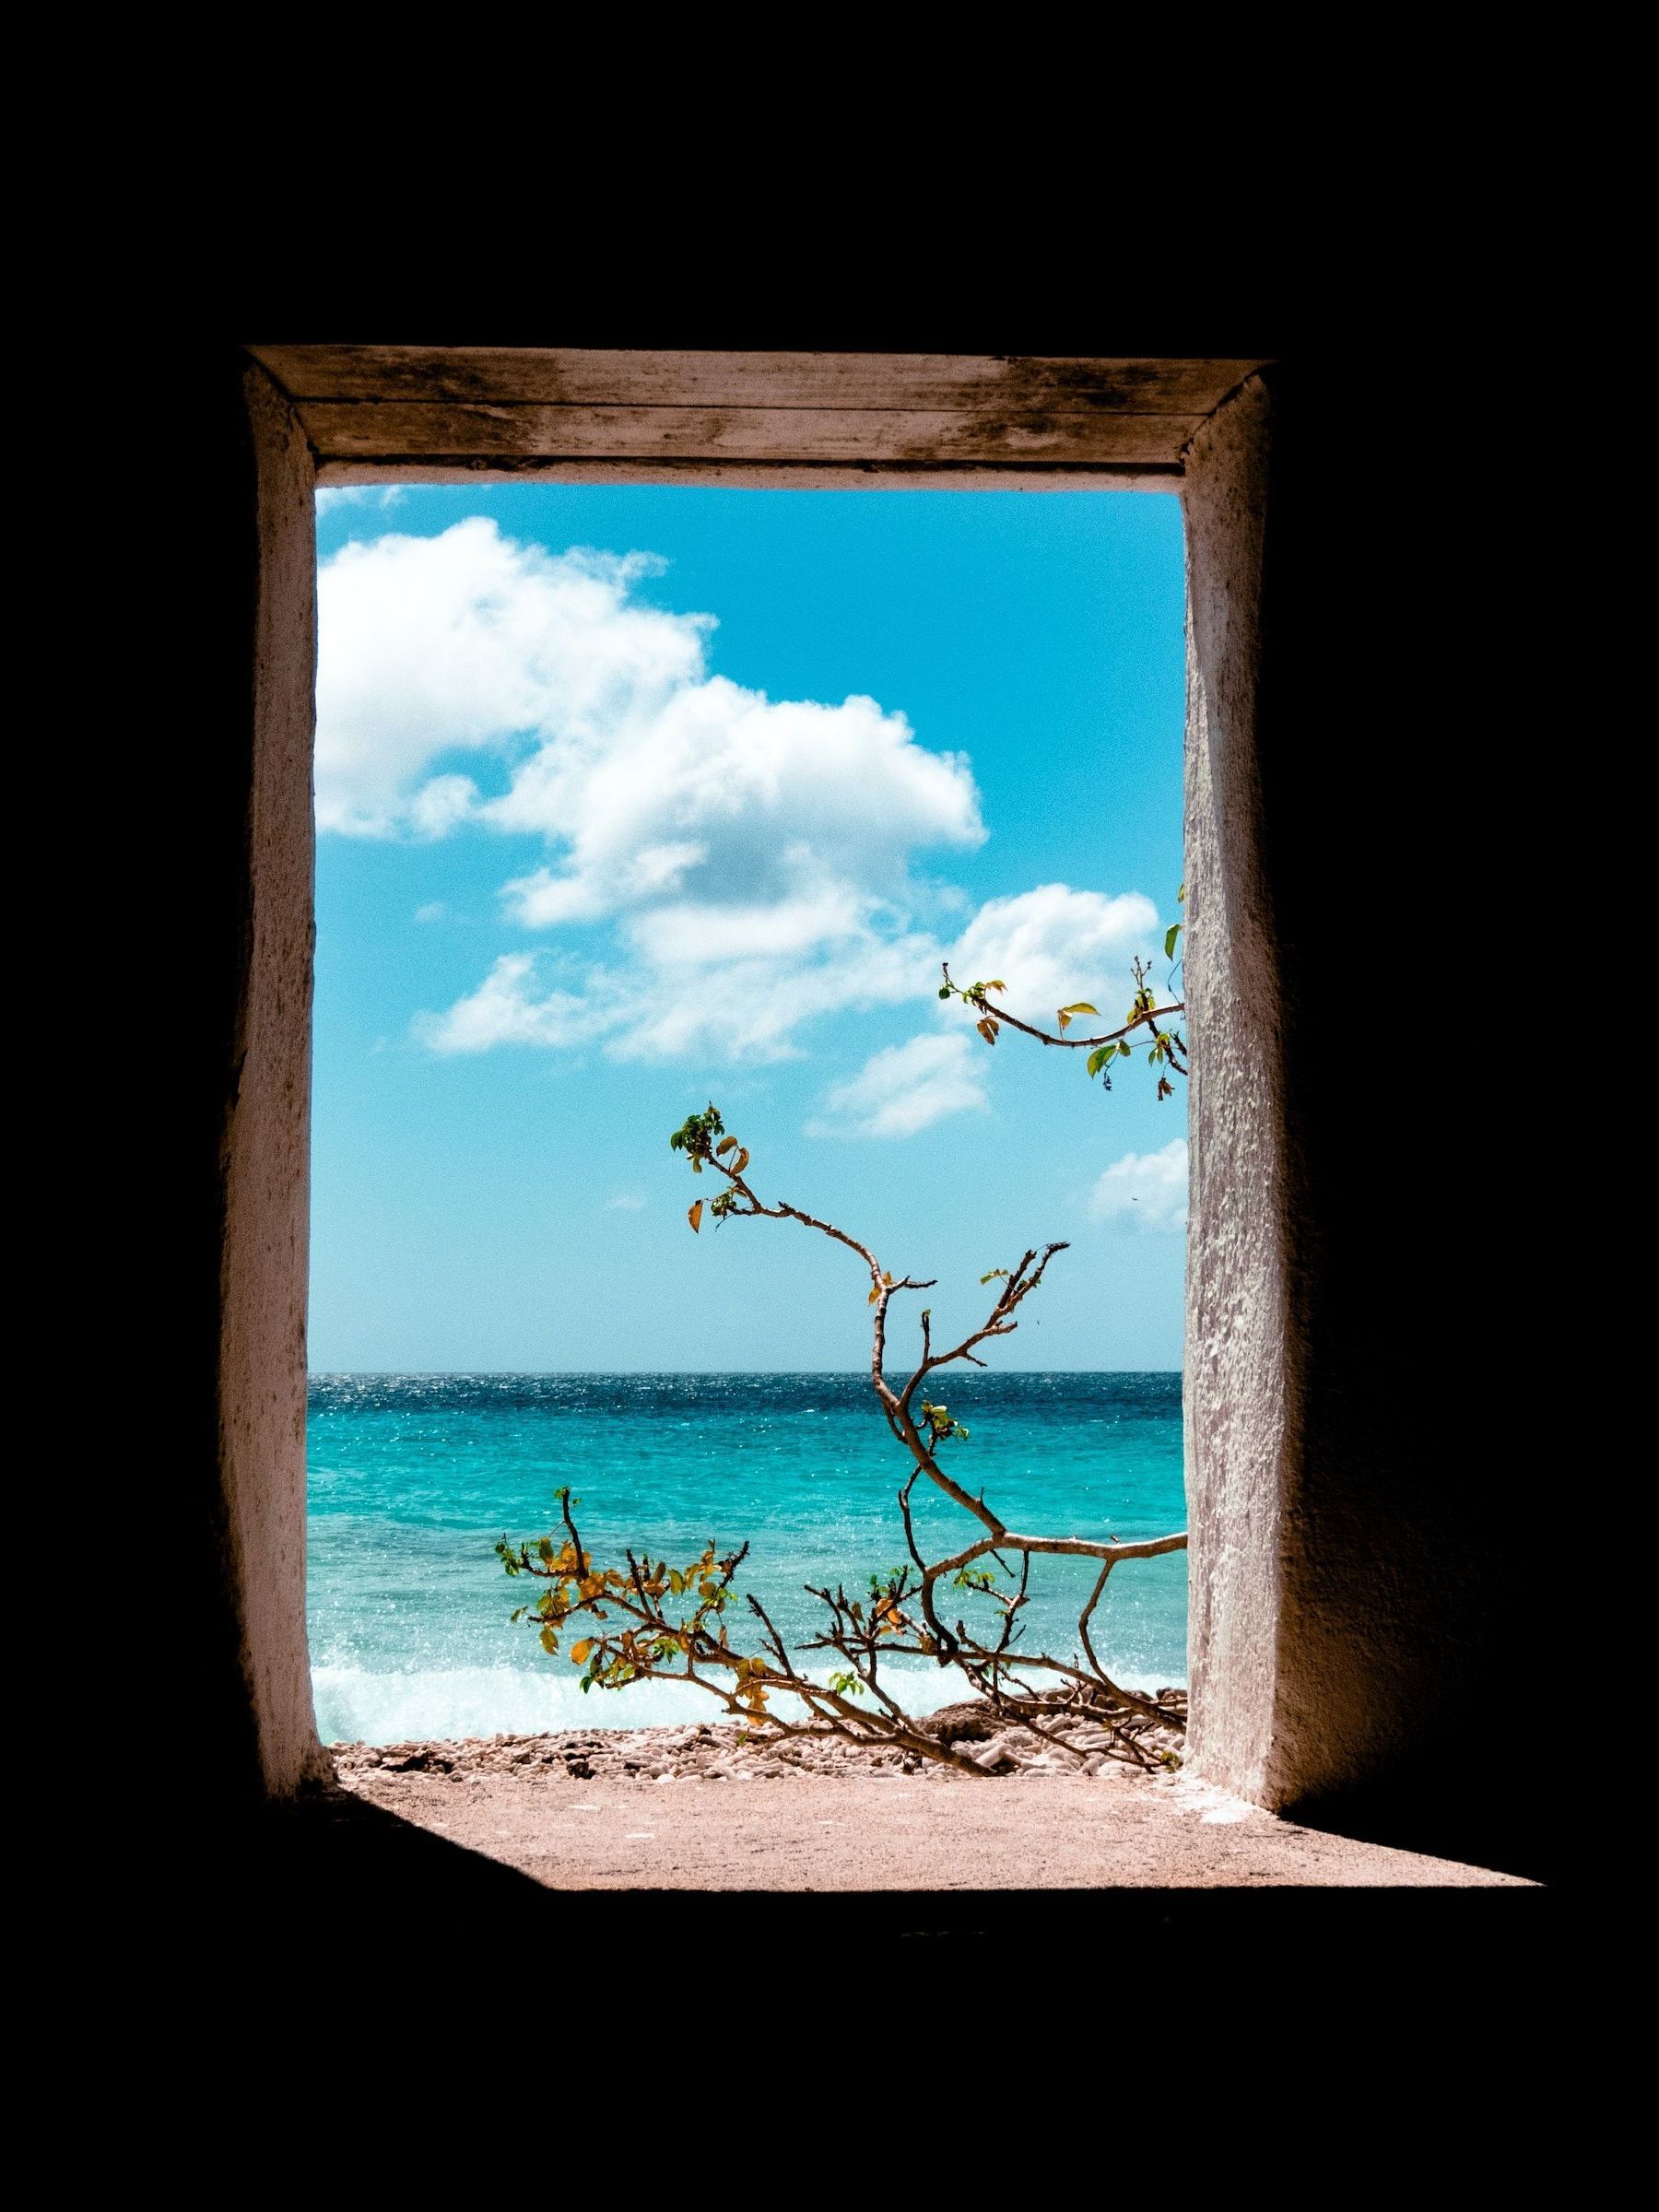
{"type": "Point", "coordinates": [332, 1862]}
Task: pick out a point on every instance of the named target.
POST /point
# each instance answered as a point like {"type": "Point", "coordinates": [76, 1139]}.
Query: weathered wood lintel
{"type": "Point", "coordinates": [1001, 385]}
{"type": "Point", "coordinates": [756, 475]}
{"type": "Point", "coordinates": [850, 418]}
{"type": "Point", "coordinates": [850, 436]}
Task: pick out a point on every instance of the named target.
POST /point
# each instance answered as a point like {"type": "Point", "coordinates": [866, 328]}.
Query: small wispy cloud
{"type": "Point", "coordinates": [1146, 1191]}
{"type": "Point", "coordinates": [359, 495]}
{"type": "Point", "coordinates": [433, 911]}
{"type": "Point", "coordinates": [904, 1088]}
{"type": "Point", "coordinates": [625, 1202]}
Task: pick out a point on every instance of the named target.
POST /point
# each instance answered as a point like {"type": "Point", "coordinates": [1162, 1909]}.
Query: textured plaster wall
{"type": "Point", "coordinates": [1241, 1435]}
{"type": "Point", "coordinates": [265, 1146]}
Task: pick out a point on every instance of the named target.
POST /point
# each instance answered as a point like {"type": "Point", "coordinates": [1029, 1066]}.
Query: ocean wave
{"type": "Point", "coordinates": [355, 1706]}
{"type": "Point", "coordinates": [358, 1706]}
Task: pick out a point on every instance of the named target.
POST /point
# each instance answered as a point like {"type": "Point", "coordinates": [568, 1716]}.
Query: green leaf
{"type": "Point", "coordinates": [1127, 1051]}
{"type": "Point", "coordinates": [1169, 936]}
{"type": "Point", "coordinates": [1180, 894]}
{"type": "Point", "coordinates": [550, 1643]}
{"type": "Point", "coordinates": [1099, 1057]}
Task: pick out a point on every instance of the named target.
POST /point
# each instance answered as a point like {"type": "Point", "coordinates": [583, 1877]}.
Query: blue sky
{"type": "Point", "coordinates": [629, 798]}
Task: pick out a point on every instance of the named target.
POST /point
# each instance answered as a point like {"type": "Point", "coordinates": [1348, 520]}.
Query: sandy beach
{"type": "Point", "coordinates": [689, 1808]}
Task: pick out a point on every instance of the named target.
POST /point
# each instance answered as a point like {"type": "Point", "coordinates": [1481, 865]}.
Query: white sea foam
{"type": "Point", "coordinates": [444, 1703]}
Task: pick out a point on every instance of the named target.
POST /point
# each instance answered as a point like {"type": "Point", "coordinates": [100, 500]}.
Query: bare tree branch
{"type": "Point", "coordinates": [639, 1637]}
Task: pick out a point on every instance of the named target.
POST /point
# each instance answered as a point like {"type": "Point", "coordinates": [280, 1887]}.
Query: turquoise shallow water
{"type": "Point", "coordinates": [413, 1478]}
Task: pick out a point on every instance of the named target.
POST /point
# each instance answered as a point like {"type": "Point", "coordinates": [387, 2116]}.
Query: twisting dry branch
{"type": "Point", "coordinates": [655, 1636]}
{"type": "Point", "coordinates": [1166, 1054]}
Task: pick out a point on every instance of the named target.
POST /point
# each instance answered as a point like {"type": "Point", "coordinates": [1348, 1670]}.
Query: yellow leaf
{"type": "Point", "coordinates": [579, 1652]}
{"type": "Point", "coordinates": [724, 1145]}
{"type": "Point", "coordinates": [695, 1216]}
{"type": "Point", "coordinates": [741, 1161]}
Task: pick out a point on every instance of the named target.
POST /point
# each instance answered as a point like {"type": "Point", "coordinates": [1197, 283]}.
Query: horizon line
{"type": "Point", "coordinates": [317, 1374]}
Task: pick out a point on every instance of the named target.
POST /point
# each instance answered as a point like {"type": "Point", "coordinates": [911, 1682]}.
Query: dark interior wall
{"type": "Point", "coordinates": [206, 899]}
{"type": "Point", "coordinates": [232, 1004]}
{"type": "Point", "coordinates": [1409, 1548]}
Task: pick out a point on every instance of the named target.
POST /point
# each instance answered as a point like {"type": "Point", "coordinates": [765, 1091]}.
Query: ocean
{"type": "Point", "coordinates": [413, 1478]}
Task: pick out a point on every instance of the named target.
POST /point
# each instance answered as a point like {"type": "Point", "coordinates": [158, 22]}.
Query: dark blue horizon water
{"type": "Point", "coordinates": [413, 1478]}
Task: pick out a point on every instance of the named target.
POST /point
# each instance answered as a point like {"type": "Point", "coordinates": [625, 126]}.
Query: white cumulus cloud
{"type": "Point", "coordinates": [722, 793]}
{"type": "Point", "coordinates": [467, 642]}
{"type": "Point", "coordinates": [647, 776]}
{"type": "Point", "coordinates": [740, 981]}
{"type": "Point", "coordinates": [717, 868]}
{"type": "Point", "coordinates": [1052, 946]}
{"type": "Point", "coordinates": [1145, 1190]}
{"type": "Point", "coordinates": [904, 1088]}
{"type": "Point", "coordinates": [748, 859]}
{"type": "Point", "coordinates": [649, 1009]}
